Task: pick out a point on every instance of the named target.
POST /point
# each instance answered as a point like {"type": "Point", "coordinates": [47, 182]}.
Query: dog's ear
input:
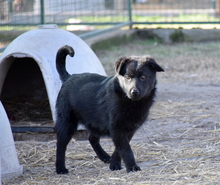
{"type": "Point", "coordinates": [152, 63]}
{"type": "Point", "coordinates": [120, 63]}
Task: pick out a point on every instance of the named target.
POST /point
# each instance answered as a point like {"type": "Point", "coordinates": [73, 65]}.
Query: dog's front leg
{"type": "Point", "coordinates": [95, 142]}
{"type": "Point", "coordinates": [123, 150]}
{"type": "Point", "coordinates": [115, 162]}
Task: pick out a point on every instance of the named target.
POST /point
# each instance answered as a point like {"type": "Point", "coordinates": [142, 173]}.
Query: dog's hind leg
{"type": "Point", "coordinates": [95, 142]}
{"type": "Point", "coordinates": [64, 135]}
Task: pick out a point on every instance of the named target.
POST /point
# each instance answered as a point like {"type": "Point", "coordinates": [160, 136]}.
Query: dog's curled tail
{"type": "Point", "coordinates": [61, 61]}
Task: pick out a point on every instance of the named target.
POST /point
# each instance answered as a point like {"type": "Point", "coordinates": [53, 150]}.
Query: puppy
{"type": "Point", "coordinates": [113, 106]}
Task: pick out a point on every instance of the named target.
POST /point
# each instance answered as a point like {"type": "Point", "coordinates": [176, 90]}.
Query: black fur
{"type": "Point", "coordinates": [107, 106]}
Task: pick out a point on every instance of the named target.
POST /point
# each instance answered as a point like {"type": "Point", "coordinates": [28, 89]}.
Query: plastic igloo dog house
{"type": "Point", "coordinates": [33, 54]}
{"type": "Point", "coordinates": [9, 164]}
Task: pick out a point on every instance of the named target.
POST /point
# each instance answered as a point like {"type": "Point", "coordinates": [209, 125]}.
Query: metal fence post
{"type": "Point", "coordinates": [10, 4]}
{"type": "Point", "coordinates": [42, 18]}
{"type": "Point", "coordinates": [130, 13]}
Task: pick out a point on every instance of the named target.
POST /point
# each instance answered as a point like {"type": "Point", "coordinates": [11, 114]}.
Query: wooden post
{"type": "Point", "coordinates": [217, 10]}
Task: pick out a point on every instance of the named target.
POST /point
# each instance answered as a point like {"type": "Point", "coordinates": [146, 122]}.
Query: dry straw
{"type": "Point", "coordinates": [180, 143]}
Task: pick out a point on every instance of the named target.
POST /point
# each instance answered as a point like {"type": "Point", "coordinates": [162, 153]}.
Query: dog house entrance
{"type": "Point", "coordinates": [24, 94]}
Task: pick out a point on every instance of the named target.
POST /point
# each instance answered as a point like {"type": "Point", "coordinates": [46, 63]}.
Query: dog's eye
{"type": "Point", "coordinates": [143, 77]}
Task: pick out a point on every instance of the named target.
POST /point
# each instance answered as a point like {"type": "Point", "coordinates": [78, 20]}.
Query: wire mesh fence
{"type": "Point", "coordinates": [29, 12]}
{"type": "Point", "coordinates": [18, 16]}
{"type": "Point", "coordinates": [176, 11]}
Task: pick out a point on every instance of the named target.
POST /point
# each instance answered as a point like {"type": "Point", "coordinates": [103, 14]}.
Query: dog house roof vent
{"type": "Point", "coordinates": [42, 45]}
{"type": "Point", "coordinates": [47, 26]}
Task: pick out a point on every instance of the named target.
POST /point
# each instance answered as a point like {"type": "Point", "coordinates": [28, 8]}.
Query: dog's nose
{"type": "Point", "coordinates": [135, 92]}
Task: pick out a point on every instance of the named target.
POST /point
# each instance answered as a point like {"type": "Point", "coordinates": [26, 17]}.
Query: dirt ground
{"type": "Point", "coordinates": [180, 142]}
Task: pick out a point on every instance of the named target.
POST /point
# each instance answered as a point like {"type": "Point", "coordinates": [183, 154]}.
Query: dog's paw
{"type": "Point", "coordinates": [115, 166]}
{"type": "Point", "coordinates": [134, 168]}
{"type": "Point", "coordinates": [62, 171]}
{"type": "Point", "coordinates": [105, 158]}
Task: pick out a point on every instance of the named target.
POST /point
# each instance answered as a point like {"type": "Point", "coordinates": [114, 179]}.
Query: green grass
{"type": "Point", "coordinates": [17, 28]}
{"type": "Point", "coordinates": [98, 18]}
{"type": "Point", "coordinates": [158, 18]}
{"type": "Point", "coordinates": [140, 18]}
{"type": "Point", "coordinates": [180, 18]}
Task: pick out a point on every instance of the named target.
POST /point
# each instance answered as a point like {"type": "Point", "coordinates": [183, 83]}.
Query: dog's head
{"type": "Point", "coordinates": [137, 75]}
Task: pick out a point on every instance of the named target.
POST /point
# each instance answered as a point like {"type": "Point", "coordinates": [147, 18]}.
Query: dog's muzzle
{"type": "Point", "coordinates": [135, 94]}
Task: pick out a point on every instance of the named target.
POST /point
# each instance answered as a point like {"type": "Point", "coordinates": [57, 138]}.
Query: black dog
{"type": "Point", "coordinates": [107, 106]}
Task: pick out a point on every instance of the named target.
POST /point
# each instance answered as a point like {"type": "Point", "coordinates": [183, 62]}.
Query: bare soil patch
{"type": "Point", "coordinates": [180, 142]}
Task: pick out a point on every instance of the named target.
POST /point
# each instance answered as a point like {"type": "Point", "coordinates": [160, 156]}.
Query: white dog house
{"type": "Point", "coordinates": [27, 66]}
{"type": "Point", "coordinates": [9, 164]}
